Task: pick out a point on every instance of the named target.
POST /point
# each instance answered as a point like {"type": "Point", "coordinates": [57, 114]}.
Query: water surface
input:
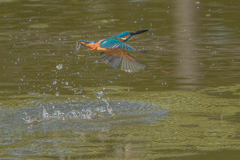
{"type": "Point", "coordinates": [56, 102]}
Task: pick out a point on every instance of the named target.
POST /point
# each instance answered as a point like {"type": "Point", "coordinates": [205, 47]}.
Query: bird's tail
{"type": "Point", "coordinates": [129, 64]}
{"type": "Point", "coordinates": [138, 32]}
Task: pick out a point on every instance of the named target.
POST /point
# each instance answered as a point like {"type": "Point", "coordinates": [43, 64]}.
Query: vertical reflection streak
{"type": "Point", "coordinates": [186, 71]}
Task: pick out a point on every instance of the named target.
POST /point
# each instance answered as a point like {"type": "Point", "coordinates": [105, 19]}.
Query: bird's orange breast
{"type": "Point", "coordinates": [95, 46]}
{"type": "Point", "coordinates": [98, 46]}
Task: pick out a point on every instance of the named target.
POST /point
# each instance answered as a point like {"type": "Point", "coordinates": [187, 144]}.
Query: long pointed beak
{"type": "Point", "coordinates": [138, 32]}
{"type": "Point", "coordinates": [82, 43]}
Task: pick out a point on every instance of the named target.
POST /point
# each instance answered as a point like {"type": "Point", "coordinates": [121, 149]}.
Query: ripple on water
{"type": "Point", "coordinates": [78, 115]}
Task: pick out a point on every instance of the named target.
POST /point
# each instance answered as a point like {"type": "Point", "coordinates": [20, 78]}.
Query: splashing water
{"type": "Point", "coordinates": [78, 115]}
{"type": "Point", "coordinates": [78, 46]}
{"type": "Point", "coordinates": [59, 67]}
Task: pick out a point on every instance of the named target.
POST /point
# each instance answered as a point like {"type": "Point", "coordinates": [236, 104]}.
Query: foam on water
{"type": "Point", "coordinates": [78, 115]}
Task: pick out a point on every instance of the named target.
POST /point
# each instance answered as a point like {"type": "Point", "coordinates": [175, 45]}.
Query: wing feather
{"type": "Point", "coordinates": [114, 58]}
{"type": "Point", "coordinates": [111, 60]}
{"type": "Point", "coordinates": [115, 44]}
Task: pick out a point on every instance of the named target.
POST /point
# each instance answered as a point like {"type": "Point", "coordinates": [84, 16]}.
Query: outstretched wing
{"type": "Point", "coordinates": [114, 58]}
{"type": "Point", "coordinates": [132, 66]}
{"type": "Point", "coordinates": [115, 44]}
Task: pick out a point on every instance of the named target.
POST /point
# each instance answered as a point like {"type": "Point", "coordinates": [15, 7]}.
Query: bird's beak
{"type": "Point", "coordinates": [82, 43]}
{"type": "Point", "coordinates": [138, 32]}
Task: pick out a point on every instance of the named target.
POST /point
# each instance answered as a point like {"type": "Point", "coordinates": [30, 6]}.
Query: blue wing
{"type": "Point", "coordinates": [115, 44]}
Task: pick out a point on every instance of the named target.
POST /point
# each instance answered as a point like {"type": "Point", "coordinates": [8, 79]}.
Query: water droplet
{"type": "Point", "coordinates": [57, 94]}
{"type": "Point", "coordinates": [59, 67]}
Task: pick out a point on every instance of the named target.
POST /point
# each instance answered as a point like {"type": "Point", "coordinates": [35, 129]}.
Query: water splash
{"type": "Point", "coordinates": [78, 46]}
{"type": "Point", "coordinates": [59, 67]}
{"type": "Point", "coordinates": [78, 115]}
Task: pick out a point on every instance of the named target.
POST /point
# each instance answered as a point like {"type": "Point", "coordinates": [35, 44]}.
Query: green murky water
{"type": "Point", "coordinates": [57, 103]}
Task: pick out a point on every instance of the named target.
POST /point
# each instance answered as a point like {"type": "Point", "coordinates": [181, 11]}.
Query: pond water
{"type": "Point", "coordinates": [61, 102]}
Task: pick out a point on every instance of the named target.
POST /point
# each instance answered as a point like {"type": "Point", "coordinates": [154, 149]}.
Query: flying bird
{"type": "Point", "coordinates": [112, 51]}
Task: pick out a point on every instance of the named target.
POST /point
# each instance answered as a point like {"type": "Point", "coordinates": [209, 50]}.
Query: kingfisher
{"type": "Point", "coordinates": [112, 51]}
